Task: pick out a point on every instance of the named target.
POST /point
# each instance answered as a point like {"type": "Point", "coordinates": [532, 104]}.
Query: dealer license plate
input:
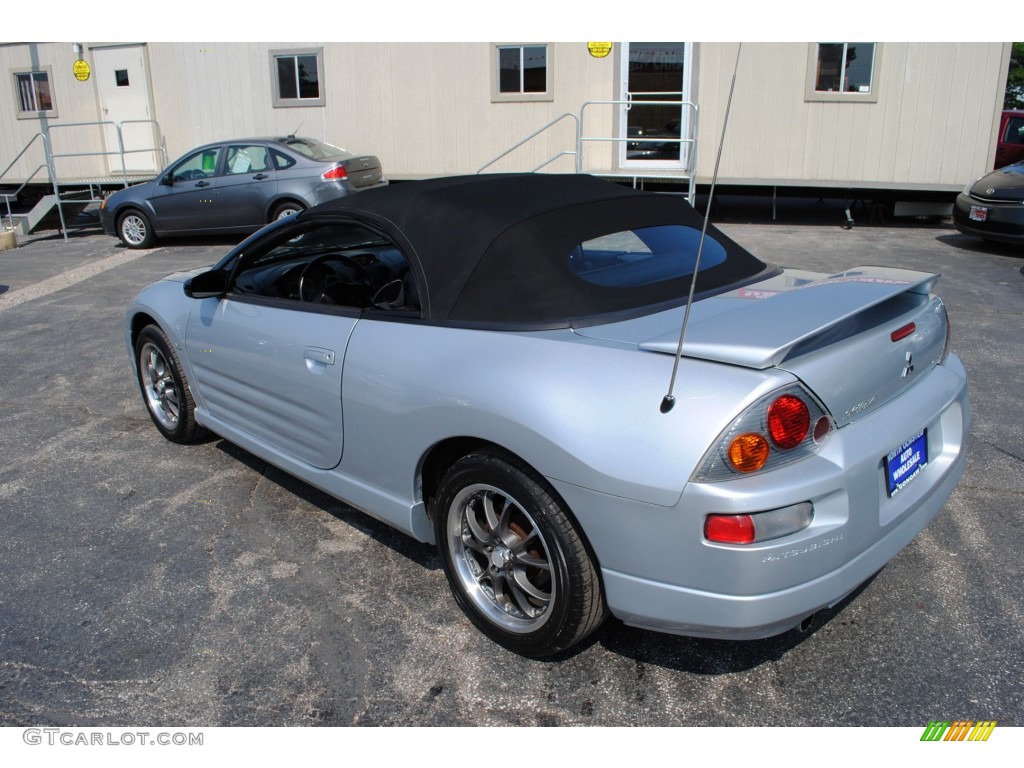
{"type": "Point", "coordinates": [978, 213]}
{"type": "Point", "coordinates": [905, 463]}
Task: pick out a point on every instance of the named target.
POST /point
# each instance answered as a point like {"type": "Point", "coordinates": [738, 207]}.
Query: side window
{"type": "Point", "coordinates": [281, 160]}
{"type": "Point", "coordinates": [340, 264]}
{"type": "Point", "coordinates": [522, 73]}
{"type": "Point", "coordinates": [200, 165]}
{"type": "Point", "coordinates": [842, 72]}
{"type": "Point", "coordinates": [34, 93]}
{"type": "Point", "coordinates": [297, 77]}
{"type": "Point", "coordinates": [1014, 131]}
{"type": "Point", "coordinates": [246, 159]}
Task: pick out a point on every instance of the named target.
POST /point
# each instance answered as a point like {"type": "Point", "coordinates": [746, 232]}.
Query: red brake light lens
{"type": "Point", "coordinates": [902, 333]}
{"type": "Point", "coordinates": [788, 421]}
{"type": "Point", "coordinates": [729, 529]}
{"type": "Point", "coordinates": [337, 173]}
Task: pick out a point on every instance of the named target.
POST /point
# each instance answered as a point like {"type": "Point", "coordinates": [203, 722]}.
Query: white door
{"type": "Point", "coordinates": [652, 74]}
{"type": "Point", "coordinates": [122, 83]}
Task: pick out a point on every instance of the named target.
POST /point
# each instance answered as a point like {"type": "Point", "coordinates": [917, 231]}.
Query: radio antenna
{"type": "Point", "coordinates": [669, 401]}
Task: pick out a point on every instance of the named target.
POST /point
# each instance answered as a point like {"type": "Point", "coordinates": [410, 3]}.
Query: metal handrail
{"type": "Point", "coordinates": [552, 159]}
{"type": "Point", "coordinates": [31, 141]}
{"type": "Point", "coordinates": [691, 158]}
{"type": "Point", "coordinates": [533, 135]}
{"type": "Point", "coordinates": [121, 151]}
{"type": "Point", "coordinates": [7, 196]}
{"type": "Point", "coordinates": [690, 140]}
{"type": "Point", "coordinates": [50, 159]}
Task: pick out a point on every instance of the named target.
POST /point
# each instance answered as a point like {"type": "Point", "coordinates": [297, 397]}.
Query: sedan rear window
{"type": "Point", "coordinates": [313, 149]}
{"type": "Point", "coordinates": [643, 256]}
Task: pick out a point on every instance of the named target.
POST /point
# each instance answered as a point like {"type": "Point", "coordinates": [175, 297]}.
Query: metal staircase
{"type": "Point", "coordinates": [635, 171]}
{"type": "Point", "coordinates": [70, 195]}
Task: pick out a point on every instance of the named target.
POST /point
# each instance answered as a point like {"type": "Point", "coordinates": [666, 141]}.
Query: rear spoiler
{"type": "Point", "coordinates": [761, 333]}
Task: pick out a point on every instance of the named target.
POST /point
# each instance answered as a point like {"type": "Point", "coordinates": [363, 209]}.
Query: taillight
{"type": "Point", "coordinates": [748, 452]}
{"type": "Point", "coordinates": [760, 526]}
{"type": "Point", "coordinates": [788, 421]}
{"type": "Point", "coordinates": [729, 529]}
{"type": "Point", "coordinates": [902, 333]}
{"type": "Point", "coordinates": [337, 173]}
{"type": "Point", "coordinates": [777, 430]}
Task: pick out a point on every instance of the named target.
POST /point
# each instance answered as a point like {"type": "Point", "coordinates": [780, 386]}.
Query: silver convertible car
{"type": "Point", "coordinates": [482, 363]}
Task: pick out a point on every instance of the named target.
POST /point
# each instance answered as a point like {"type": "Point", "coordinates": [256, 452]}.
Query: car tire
{"type": "Point", "coordinates": [165, 389]}
{"type": "Point", "coordinates": [515, 561]}
{"type": "Point", "coordinates": [134, 229]}
{"type": "Point", "coordinates": [284, 210]}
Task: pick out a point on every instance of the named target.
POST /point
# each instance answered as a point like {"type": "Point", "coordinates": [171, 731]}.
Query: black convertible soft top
{"type": "Point", "coordinates": [493, 250]}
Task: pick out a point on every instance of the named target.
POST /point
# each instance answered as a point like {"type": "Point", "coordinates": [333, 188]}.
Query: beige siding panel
{"type": "Point", "coordinates": [426, 109]}
{"type": "Point", "coordinates": [933, 122]}
{"type": "Point", "coordinates": [75, 102]}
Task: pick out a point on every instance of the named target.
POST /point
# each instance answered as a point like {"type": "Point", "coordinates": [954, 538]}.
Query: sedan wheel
{"type": "Point", "coordinates": [164, 387]}
{"type": "Point", "coordinates": [134, 230]}
{"type": "Point", "coordinates": [515, 562]}
{"type": "Point", "coordinates": [285, 210]}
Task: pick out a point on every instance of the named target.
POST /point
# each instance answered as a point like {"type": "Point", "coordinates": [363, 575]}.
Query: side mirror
{"type": "Point", "coordinates": [207, 285]}
{"type": "Point", "coordinates": [167, 180]}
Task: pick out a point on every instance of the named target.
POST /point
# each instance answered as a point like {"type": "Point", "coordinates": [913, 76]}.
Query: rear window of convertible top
{"type": "Point", "coordinates": [643, 256]}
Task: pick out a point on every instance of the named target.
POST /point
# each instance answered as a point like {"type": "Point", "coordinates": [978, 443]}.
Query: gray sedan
{"type": "Point", "coordinates": [484, 363]}
{"type": "Point", "coordinates": [236, 186]}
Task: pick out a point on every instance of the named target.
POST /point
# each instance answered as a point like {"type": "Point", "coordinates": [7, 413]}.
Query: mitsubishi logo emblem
{"type": "Point", "coordinates": [909, 367]}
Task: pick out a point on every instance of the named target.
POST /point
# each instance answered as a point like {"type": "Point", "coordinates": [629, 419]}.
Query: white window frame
{"type": "Point", "coordinates": [298, 101]}
{"type": "Point", "coordinates": [497, 95]}
{"type": "Point", "coordinates": [848, 96]}
{"type": "Point", "coordinates": [36, 113]}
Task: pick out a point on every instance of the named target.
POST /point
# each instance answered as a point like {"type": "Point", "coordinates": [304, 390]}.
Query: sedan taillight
{"type": "Point", "coordinates": [337, 173]}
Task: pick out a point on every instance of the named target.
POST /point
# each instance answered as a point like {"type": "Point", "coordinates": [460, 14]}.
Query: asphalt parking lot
{"type": "Point", "coordinates": [142, 582]}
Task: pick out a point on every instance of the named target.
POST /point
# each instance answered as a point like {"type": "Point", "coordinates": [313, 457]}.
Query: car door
{"type": "Point", "coordinates": [188, 193]}
{"type": "Point", "coordinates": [268, 360]}
{"type": "Point", "coordinates": [247, 186]}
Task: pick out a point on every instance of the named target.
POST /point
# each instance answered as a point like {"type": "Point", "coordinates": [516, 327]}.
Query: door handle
{"type": "Point", "coordinates": [260, 176]}
{"type": "Point", "coordinates": [202, 183]}
{"type": "Point", "coordinates": [319, 355]}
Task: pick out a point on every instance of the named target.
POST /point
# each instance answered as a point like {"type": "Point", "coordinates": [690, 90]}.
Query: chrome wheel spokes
{"type": "Point", "coordinates": [134, 229]}
{"type": "Point", "coordinates": [161, 392]}
{"type": "Point", "coordinates": [501, 557]}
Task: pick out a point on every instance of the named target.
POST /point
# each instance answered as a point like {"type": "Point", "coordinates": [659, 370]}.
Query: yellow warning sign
{"type": "Point", "coordinates": [599, 50]}
{"type": "Point", "coordinates": [81, 70]}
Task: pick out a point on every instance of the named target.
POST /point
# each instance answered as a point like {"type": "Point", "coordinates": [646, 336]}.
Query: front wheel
{"type": "Point", "coordinates": [134, 229]}
{"type": "Point", "coordinates": [516, 563]}
{"type": "Point", "coordinates": [164, 387]}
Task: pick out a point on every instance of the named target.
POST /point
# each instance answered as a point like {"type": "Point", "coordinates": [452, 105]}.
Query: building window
{"type": "Point", "coordinates": [521, 73]}
{"type": "Point", "coordinates": [842, 72]}
{"type": "Point", "coordinates": [35, 97]}
{"type": "Point", "coordinates": [298, 77]}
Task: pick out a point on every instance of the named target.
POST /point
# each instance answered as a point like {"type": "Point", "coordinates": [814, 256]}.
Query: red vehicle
{"type": "Point", "coordinates": [1010, 145]}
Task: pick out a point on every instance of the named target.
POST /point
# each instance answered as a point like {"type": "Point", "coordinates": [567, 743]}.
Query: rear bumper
{"type": "Point", "coordinates": [660, 573]}
{"type": "Point", "coordinates": [679, 610]}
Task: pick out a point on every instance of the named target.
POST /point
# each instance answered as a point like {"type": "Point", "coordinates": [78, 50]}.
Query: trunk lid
{"type": "Point", "coordinates": [363, 170]}
{"type": "Point", "coordinates": [856, 339]}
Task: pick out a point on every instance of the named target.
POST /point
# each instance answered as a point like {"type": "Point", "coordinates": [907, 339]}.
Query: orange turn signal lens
{"type": "Point", "coordinates": [748, 452]}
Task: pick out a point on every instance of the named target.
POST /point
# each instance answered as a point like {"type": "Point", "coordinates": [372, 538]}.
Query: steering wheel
{"type": "Point", "coordinates": [319, 276]}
